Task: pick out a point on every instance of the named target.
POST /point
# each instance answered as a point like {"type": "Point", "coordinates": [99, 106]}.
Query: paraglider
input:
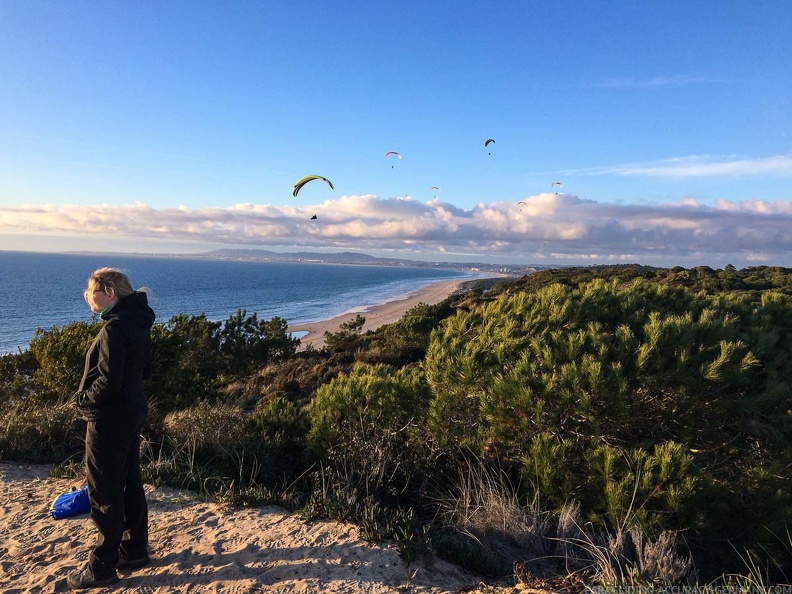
{"type": "Point", "coordinates": [392, 153]}
{"type": "Point", "coordinates": [298, 186]}
{"type": "Point", "coordinates": [433, 188]}
{"type": "Point", "coordinates": [559, 184]}
{"type": "Point", "coordinates": [488, 142]}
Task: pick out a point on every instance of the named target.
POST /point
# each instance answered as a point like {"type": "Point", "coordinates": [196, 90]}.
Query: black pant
{"type": "Point", "coordinates": [115, 489]}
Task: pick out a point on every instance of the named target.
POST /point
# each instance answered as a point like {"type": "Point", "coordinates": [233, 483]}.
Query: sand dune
{"type": "Point", "coordinates": [199, 546]}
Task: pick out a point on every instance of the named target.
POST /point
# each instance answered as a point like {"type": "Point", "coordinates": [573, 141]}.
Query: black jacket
{"type": "Point", "coordinates": [117, 362]}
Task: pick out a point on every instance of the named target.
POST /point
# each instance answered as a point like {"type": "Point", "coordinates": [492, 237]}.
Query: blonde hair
{"type": "Point", "coordinates": [110, 280]}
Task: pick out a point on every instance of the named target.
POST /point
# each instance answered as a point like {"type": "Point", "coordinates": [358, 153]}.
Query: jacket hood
{"type": "Point", "coordinates": [134, 307]}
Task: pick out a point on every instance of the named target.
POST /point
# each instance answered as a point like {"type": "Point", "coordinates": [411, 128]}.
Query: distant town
{"type": "Point", "coordinates": [365, 259]}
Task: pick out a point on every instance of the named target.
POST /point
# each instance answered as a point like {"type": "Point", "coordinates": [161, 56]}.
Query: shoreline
{"type": "Point", "coordinates": [377, 315]}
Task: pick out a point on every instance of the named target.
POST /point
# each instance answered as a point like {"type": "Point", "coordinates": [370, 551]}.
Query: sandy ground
{"type": "Point", "coordinates": [378, 315]}
{"type": "Point", "coordinates": [203, 547]}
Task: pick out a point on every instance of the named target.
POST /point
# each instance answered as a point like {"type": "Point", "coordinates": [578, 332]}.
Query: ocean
{"type": "Point", "coordinates": [39, 290]}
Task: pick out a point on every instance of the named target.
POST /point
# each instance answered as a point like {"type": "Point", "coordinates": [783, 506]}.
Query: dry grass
{"type": "Point", "coordinates": [39, 432]}
{"type": "Point", "coordinates": [539, 545]}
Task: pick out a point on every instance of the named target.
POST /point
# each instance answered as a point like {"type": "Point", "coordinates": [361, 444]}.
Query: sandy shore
{"type": "Point", "coordinates": [197, 546]}
{"type": "Point", "coordinates": [378, 315]}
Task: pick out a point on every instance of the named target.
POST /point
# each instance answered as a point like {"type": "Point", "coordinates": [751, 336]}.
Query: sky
{"type": "Point", "coordinates": [181, 127]}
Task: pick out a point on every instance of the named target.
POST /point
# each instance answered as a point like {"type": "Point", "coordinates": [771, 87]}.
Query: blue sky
{"type": "Point", "coordinates": [182, 126]}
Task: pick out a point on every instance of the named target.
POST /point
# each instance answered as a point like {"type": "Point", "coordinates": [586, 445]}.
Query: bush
{"type": "Point", "coordinates": [282, 427]}
{"type": "Point", "coordinates": [60, 357]}
{"type": "Point", "coordinates": [17, 372]}
{"type": "Point", "coordinates": [213, 446]}
{"type": "Point", "coordinates": [370, 423]}
{"type": "Point", "coordinates": [348, 337]}
{"type": "Point", "coordinates": [695, 387]}
{"type": "Point", "coordinates": [406, 340]}
{"type": "Point", "coordinates": [247, 342]}
{"type": "Point", "coordinates": [37, 433]}
{"type": "Point", "coordinates": [193, 358]}
{"type": "Point", "coordinates": [216, 442]}
{"type": "Point", "coordinates": [185, 363]}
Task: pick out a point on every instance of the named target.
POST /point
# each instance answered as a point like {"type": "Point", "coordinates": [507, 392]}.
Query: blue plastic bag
{"type": "Point", "coordinates": [73, 503]}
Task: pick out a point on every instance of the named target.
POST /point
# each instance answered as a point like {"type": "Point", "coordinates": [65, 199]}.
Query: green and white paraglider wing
{"type": "Point", "coordinates": [298, 186]}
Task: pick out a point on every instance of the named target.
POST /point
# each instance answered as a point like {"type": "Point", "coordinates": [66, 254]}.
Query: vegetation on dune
{"type": "Point", "coordinates": [620, 425]}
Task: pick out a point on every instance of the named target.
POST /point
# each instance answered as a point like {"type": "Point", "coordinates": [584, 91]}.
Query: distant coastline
{"type": "Point", "coordinates": [345, 258]}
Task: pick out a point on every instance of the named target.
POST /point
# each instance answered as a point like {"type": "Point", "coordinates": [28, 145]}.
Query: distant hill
{"type": "Point", "coordinates": [258, 254]}
{"type": "Point", "coordinates": [358, 258]}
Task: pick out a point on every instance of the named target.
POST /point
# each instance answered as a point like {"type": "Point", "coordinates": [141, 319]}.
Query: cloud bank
{"type": "Point", "coordinates": [690, 166]}
{"type": "Point", "coordinates": [547, 227]}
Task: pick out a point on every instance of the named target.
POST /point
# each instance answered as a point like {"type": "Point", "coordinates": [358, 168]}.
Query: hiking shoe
{"type": "Point", "coordinates": [124, 563]}
{"type": "Point", "coordinates": [83, 578]}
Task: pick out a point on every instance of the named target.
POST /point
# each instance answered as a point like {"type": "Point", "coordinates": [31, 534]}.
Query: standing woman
{"type": "Point", "coordinates": [111, 399]}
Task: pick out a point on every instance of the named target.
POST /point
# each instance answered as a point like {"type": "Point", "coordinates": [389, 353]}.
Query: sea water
{"type": "Point", "coordinates": [39, 290]}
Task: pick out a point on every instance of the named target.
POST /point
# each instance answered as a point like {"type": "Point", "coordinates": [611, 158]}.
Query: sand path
{"type": "Point", "coordinates": [202, 547]}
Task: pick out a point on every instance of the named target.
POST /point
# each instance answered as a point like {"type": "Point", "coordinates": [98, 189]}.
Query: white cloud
{"type": "Point", "coordinates": [559, 226]}
{"type": "Point", "coordinates": [654, 82]}
{"type": "Point", "coordinates": [697, 166]}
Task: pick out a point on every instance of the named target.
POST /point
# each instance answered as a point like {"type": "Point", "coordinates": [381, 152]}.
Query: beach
{"type": "Point", "coordinates": [378, 315]}
{"type": "Point", "coordinates": [201, 546]}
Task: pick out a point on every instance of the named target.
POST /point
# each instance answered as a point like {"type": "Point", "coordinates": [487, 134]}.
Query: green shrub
{"type": "Point", "coordinates": [194, 358]}
{"type": "Point", "coordinates": [246, 343]}
{"type": "Point", "coordinates": [218, 441]}
{"type": "Point", "coordinates": [214, 445]}
{"type": "Point", "coordinates": [282, 431]}
{"type": "Point", "coordinates": [370, 423]}
{"type": "Point", "coordinates": [185, 363]}
{"type": "Point", "coordinates": [406, 340]}
{"type": "Point", "coordinates": [60, 355]}
{"type": "Point", "coordinates": [650, 490]}
{"type": "Point", "coordinates": [348, 337]}
{"type": "Point", "coordinates": [17, 372]}
{"type": "Point", "coordinates": [578, 373]}
{"type": "Point", "coordinates": [36, 433]}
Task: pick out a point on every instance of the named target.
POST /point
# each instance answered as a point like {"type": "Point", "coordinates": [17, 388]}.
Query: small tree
{"type": "Point", "coordinates": [247, 342]}
{"type": "Point", "coordinates": [186, 363]}
{"type": "Point", "coordinates": [347, 337]}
